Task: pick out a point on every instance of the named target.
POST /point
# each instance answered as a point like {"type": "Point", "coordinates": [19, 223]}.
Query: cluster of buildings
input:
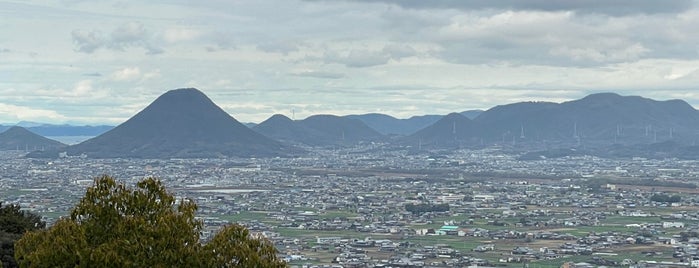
{"type": "Point", "coordinates": [374, 207]}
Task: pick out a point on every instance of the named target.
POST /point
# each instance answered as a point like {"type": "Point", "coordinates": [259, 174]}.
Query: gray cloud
{"type": "Point", "coordinates": [357, 58]}
{"type": "Point", "coordinates": [283, 47]}
{"type": "Point", "coordinates": [318, 74]}
{"type": "Point", "coordinates": [360, 58]}
{"type": "Point", "coordinates": [551, 38]}
{"type": "Point", "coordinates": [131, 34]}
{"type": "Point", "coordinates": [222, 40]}
{"type": "Point", "coordinates": [87, 41]}
{"type": "Point", "coordinates": [609, 7]}
{"type": "Point", "coordinates": [528, 32]}
{"type": "Point", "coordinates": [344, 56]}
{"type": "Point", "coordinates": [395, 51]}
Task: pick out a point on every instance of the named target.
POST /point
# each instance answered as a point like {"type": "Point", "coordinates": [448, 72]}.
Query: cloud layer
{"type": "Point", "coordinates": [90, 62]}
{"type": "Point", "coordinates": [608, 7]}
{"type": "Point", "coordinates": [131, 34]}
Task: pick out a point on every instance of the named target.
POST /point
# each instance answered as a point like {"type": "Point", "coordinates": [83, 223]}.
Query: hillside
{"type": "Point", "coordinates": [318, 130]}
{"type": "Point", "coordinates": [19, 138]}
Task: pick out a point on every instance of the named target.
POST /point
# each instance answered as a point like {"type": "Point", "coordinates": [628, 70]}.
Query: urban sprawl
{"type": "Point", "coordinates": [369, 206]}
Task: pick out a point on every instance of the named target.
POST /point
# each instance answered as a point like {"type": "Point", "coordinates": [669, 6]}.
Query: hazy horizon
{"type": "Point", "coordinates": [292, 114]}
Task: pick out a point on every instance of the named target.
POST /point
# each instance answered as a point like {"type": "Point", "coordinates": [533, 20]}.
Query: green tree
{"type": "Point", "coordinates": [664, 198]}
{"type": "Point", "coordinates": [235, 247]}
{"type": "Point", "coordinates": [117, 226]}
{"type": "Point", "coordinates": [422, 208]}
{"type": "Point", "coordinates": [13, 223]}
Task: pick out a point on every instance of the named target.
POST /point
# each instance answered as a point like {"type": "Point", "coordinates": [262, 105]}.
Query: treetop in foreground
{"type": "Point", "coordinates": [118, 226]}
{"type": "Point", "coordinates": [14, 222]}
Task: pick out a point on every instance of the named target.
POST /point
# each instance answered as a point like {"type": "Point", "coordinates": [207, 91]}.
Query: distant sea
{"type": "Point", "coordinates": [71, 140]}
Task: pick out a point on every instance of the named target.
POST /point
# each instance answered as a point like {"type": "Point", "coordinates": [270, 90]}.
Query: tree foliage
{"type": "Point", "coordinates": [422, 208]}
{"type": "Point", "coordinates": [13, 223]}
{"type": "Point", "coordinates": [117, 226]}
{"type": "Point", "coordinates": [664, 198]}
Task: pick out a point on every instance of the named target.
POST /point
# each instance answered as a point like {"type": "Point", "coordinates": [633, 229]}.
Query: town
{"type": "Point", "coordinates": [378, 206]}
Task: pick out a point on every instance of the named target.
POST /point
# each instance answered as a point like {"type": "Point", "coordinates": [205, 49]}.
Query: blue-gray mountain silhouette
{"type": "Point", "coordinates": [597, 119]}
{"type": "Point", "coordinates": [318, 130]}
{"type": "Point", "coordinates": [451, 131]}
{"type": "Point", "coordinates": [389, 125]}
{"type": "Point", "coordinates": [182, 123]}
{"type": "Point", "coordinates": [19, 138]}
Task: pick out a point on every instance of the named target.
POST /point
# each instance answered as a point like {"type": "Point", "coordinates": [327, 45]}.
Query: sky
{"type": "Point", "coordinates": [101, 62]}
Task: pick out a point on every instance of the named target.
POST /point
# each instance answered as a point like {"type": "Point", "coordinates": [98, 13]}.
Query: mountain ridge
{"type": "Point", "coordinates": [318, 130]}
{"type": "Point", "coordinates": [596, 121]}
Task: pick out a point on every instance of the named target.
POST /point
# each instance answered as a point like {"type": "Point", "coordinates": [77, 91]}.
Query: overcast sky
{"type": "Point", "coordinates": [100, 62]}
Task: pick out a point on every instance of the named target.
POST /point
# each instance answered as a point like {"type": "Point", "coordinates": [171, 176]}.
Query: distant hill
{"type": "Point", "coordinates": [282, 128]}
{"type": "Point", "coordinates": [28, 124]}
{"type": "Point", "coordinates": [48, 130]}
{"type": "Point", "coordinates": [632, 118]}
{"type": "Point", "coordinates": [452, 131]}
{"type": "Point", "coordinates": [19, 138]}
{"type": "Point", "coordinates": [318, 130]}
{"type": "Point", "coordinates": [389, 125]}
{"type": "Point", "coordinates": [517, 121]}
{"type": "Point", "coordinates": [182, 123]}
{"type": "Point", "coordinates": [340, 130]}
{"type": "Point", "coordinates": [472, 114]}
{"type": "Point", "coordinates": [69, 130]}
{"type": "Point", "coordinates": [593, 123]}
{"type": "Point", "coordinates": [598, 119]}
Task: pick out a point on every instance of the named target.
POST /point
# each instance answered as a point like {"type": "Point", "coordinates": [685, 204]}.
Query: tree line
{"type": "Point", "coordinates": [664, 198]}
{"type": "Point", "coordinates": [422, 208]}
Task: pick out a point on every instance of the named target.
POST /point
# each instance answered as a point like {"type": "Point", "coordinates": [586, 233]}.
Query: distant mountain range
{"type": "Point", "coordinates": [318, 130]}
{"type": "Point", "coordinates": [451, 131]}
{"type": "Point", "coordinates": [598, 119]}
{"type": "Point", "coordinates": [49, 130]}
{"type": "Point", "coordinates": [389, 125]}
{"type": "Point", "coordinates": [184, 123]}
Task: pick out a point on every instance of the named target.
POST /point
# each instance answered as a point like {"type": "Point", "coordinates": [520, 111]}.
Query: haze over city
{"type": "Point", "coordinates": [100, 62]}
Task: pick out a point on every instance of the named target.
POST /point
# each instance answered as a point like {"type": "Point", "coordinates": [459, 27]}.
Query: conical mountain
{"type": "Point", "coordinates": [452, 131]}
{"type": "Point", "coordinates": [182, 123]}
{"type": "Point", "coordinates": [318, 130]}
{"type": "Point", "coordinates": [19, 138]}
